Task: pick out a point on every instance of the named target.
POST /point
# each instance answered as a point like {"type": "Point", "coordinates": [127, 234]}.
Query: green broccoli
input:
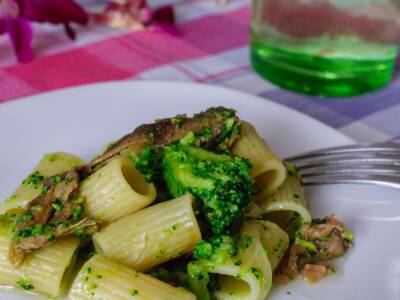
{"type": "Point", "coordinates": [207, 255]}
{"type": "Point", "coordinates": [220, 183]}
{"type": "Point", "coordinates": [147, 163]}
{"type": "Point", "coordinates": [217, 250]}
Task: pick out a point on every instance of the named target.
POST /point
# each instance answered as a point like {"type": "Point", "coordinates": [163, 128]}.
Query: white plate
{"type": "Point", "coordinates": [83, 119]}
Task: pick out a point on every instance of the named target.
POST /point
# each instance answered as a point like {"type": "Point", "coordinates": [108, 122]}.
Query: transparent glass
{"type": "Point", "coordinates": [331, 48]}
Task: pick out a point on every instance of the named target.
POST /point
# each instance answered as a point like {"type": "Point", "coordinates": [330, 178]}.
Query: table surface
{"type": "Point", "coordinates": [212, 47]}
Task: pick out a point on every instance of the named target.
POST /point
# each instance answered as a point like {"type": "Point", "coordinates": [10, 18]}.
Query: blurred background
{"type": "Point", "coordinates": [335, 60]}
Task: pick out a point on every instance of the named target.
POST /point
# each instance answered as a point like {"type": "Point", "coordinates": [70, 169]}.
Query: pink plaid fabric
{"type": "Point", "coordinates": [212, 48]}
{"type": "Point", "coordinates": [117, 55]}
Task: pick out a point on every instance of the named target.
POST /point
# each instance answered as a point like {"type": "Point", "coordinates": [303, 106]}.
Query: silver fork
{"type": "Point", "coordinates": [368, 164]}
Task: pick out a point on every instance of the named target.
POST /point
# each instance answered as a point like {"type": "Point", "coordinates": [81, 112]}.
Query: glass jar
{"type": "Point", "coordinates": [326, 47]}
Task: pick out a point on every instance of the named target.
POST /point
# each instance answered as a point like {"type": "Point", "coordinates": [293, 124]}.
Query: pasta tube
{"type": "Point", "coordinates": [268, 170]}
{"type": "Point", "coordinates": [251, 280]}
{"type": "Point", "coordinates": [283, 206]}
{"type": "Point", "coordinates": [116, 190]}
{"type": "Point", "coordinates": [51, 164]}
{"type": "Point", "coordinates": [151, 236]}
{"type": "Point", "coordinates": [244, 268]}
{"type": "Point", "coordinates": [45, 271]}
{"type": "Point", "coordinates": [273, 239]}
{"type": "Point", "coordinates": [103, 279]}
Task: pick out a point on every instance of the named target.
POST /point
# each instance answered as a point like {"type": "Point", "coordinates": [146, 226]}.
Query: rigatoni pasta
{"type": "Point", "coordinates": [238, 217]}
{"type": "Point", "coordinates": [50, 164]}
{"type": "Point", "coordinates": [248, 274]}
{"type": "Point", "coordinates": [251, 280]}
{"type": "Point", "coordinates": [285, 204]}
{"type": "Point", "coordinates": [116, 190]}
{"type": "Point", "coordinates": [151, 236]}
{"type": "Point", "coordinates": [45, 271]}
{"type": "Point", "coordinates": [268, 171]}
{"type": "Point", "coordinates": [273, 239]}
{"type": "Point", "coordinates": [103, 279]}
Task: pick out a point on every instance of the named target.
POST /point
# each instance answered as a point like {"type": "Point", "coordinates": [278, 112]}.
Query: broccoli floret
{"type": "Point", "coordinates": [217, 251]}
{"type": "Point", "coordinates": [204, 250]}
{"type": "Point", "coordinates": [147, 163]}
{"type": "Point", "coordinates": [220, 183]}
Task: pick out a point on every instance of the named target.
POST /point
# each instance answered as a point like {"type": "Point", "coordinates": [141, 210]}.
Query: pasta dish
{"type": "Point", "coordinates": [183, 208]}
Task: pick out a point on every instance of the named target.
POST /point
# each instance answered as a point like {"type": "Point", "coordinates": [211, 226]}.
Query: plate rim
{"type": "Point", "coordinates": [52, 96]}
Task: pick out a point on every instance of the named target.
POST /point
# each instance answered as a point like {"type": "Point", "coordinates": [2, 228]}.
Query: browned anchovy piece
{"type": "Point", "coordinates": [57, 203]}
{"type": "Point", "coordinates": [56, 206]}
{"type": "Point", "coordinates": [329, 240]}
{"type": "Point", "coordinates": [169, 130]}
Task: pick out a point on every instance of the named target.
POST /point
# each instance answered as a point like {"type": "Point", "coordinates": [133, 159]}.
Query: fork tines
{"type": "Point", "coordinates": [375, 163]}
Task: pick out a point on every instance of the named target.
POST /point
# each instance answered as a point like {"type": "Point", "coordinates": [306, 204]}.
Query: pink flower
{"type": "Point", "coordinates": [16, 14]}
{"type": "Point", "coordinates": [136, 14]}
{"type": "Point", "coordinates": [18, 29]}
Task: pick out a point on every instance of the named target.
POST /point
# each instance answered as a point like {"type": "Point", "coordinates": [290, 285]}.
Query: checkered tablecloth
{"type": "Point", "coordinates": [212, 48]}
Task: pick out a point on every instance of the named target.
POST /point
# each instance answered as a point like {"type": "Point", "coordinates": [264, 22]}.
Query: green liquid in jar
{"type": "Point", "coordinates": [344, 66]}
